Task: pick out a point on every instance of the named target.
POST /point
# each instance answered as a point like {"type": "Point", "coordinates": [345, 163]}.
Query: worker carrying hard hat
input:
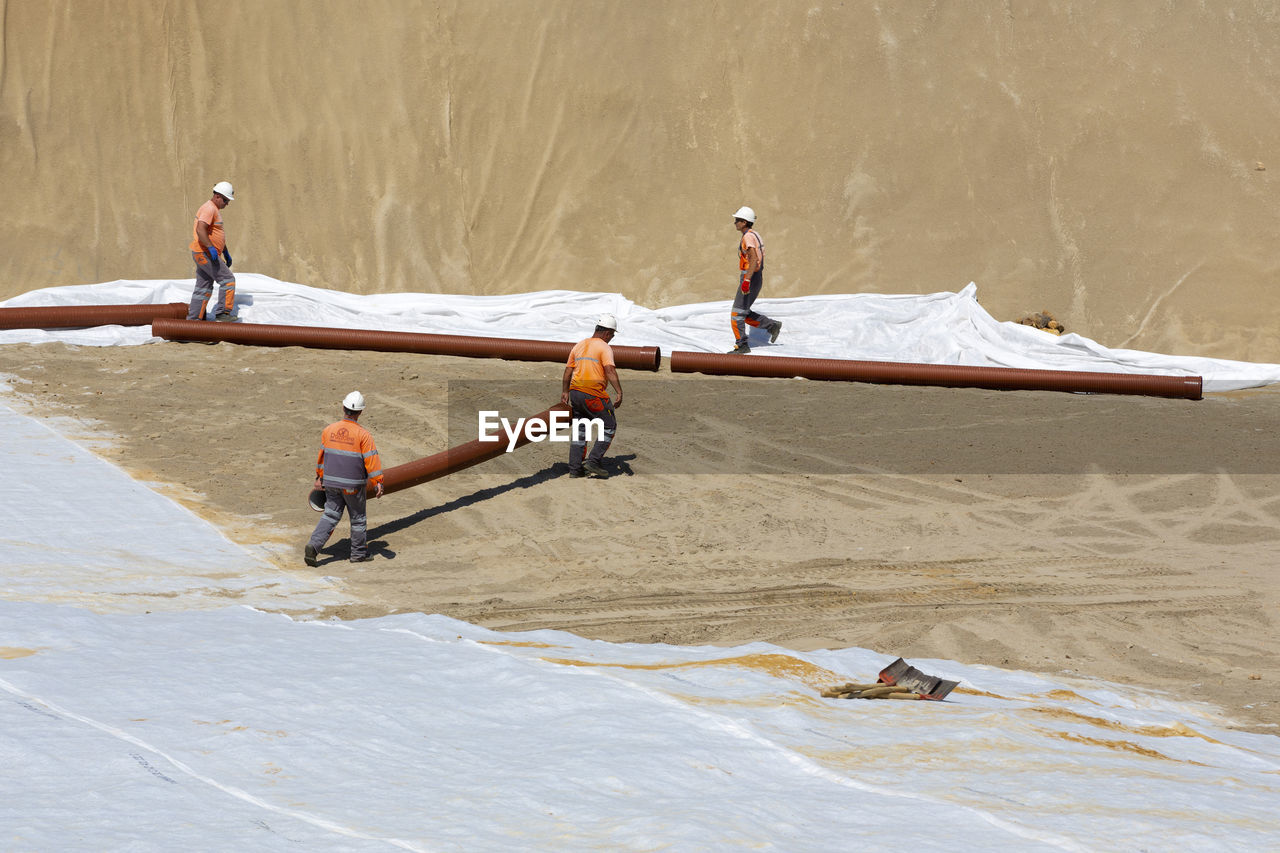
{"type": "Point", "coordinates": [750, 282]}
{"type": "Point", "coordinates": [584, 388]}
{"type": "Point", "coordinates": [348, 461]}
{"type": "Point", "coordinates": [213, 258]}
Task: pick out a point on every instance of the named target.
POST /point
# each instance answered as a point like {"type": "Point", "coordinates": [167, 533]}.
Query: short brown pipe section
{"type": "Point", "coordinates": [455, 459]}
{"type": "Point", "coordinates": [945, 375]}
{"type": "Point", "coordinates": [512, 349]}
{"type": "Point", "coordinates": [444, 463]}
{"type": "Point", "coordinates": [88, 316]}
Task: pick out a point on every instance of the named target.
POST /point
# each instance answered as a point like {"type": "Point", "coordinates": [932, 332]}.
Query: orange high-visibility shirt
{"type": "Point", "coordinates": [348, 458]}
{"type": "Point", "coordinates": [750, 240]}
{"type": "Point", "coordinates": [211, 216]}
{"type": "Point", "coordinates": [588, 360]}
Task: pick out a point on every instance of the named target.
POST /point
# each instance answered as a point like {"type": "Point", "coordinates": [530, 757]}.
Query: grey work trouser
{"type": "Point", "coordinates": [742, 315]}
{"type": "Point", "coordinates": [587, 408]}
{"type": "Point", "coordinates": [335, 501]}
{"type": "Point", "coordinates": [208, 273]}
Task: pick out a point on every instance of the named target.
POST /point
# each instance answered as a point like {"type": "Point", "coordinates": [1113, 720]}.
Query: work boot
{"type": "Point", "coordinates": [226, 318]}
{"type": "Point", "coordinates": [595, 470]}
{"type": "Point", "coordinates": [575, 473]}
{"type": "Point", "coordinates": [309, 555]}
{"type": "Point", "coordinates": [775, 329]}
{"type": "Point", "coordinates": [740, 349]}
{"type": "Point", "coordinates": [366, 558]}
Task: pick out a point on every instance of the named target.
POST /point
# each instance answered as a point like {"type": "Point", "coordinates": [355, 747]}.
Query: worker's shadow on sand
{"type": "Point", "coordinates": [616, 466]}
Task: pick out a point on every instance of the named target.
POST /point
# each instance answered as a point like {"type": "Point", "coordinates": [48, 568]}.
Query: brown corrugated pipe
{"type": "Point", "coordinates": [945, 375]}
{"type": "Point", "coordinates": [88, 316]}
{"type": "Point", "coordinates": [445, 462]}
{"type": "Point", "coordinates": [512, 349]}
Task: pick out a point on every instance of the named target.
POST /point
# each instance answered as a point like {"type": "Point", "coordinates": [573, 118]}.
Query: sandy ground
{"type": "Point", "coordinates": [1123, 538]}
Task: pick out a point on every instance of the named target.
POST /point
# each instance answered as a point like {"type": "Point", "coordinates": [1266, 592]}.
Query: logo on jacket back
{"type": "Point", "coordinates": [342, 434]}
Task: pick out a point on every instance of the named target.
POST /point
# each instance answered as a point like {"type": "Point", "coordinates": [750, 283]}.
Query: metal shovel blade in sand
{"type": "Point", "coordinates": [902, 674]}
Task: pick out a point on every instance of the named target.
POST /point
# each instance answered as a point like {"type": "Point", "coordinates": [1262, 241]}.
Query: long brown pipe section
{"type": "Point", "coordinates": [945, 375]}
{"type": "Point", "coordinates": [512, 349]}
{"type": "Point", "coordinates": [88, 316]}
{"type": "Point", "coordinates": [648, 358]}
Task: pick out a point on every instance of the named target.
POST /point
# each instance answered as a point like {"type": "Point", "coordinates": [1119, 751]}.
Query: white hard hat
{"type": "Point", "coordinates": [353, 401]}
{"type": "Point", "coordinates": [607, 321]}
{"type": "Point", "coordinates": [746, 213]}
{"type": "Point", "coordinates": [223, 188]}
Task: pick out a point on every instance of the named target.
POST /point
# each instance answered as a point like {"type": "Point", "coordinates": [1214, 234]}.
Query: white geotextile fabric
{"type": "Point", "coordinates": [143, 716]}
{"type": "Point", "coordinates": [236, 729]}
{"type": "Point", "coordinates": [85, 533]}
{"type": "Point", "coordinates": [937, 328]}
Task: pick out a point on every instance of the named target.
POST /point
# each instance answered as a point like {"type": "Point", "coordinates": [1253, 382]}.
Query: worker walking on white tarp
{"type": "Point", "coordinates": [213, 258]}
{"type": "Point", "coordinates": [348, 461]}
{"type": "Point", "coordinates": [584, 388]}
{"type": "Point", "coordinates": [750, 282]}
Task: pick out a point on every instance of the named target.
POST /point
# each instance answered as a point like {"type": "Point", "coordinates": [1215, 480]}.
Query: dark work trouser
{"type": "Point", "coordinates": [588, 408]}
{"type": "Point", "coordinates": [742, 315]}
{"type": "Point", "coordinates": [335, 501]}
{"type": "Point", "coordinates": [209, 273]}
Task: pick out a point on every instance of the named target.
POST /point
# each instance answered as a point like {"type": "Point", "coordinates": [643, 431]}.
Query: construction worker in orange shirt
{"type": "Point", "coordinates": [750, 282]}
{"type": "Point", "coordinates": [213, 259]}
{"type": "Point", "coordinates": [584, 388]}
{"type": "Point", "coordinates": [348, 461]}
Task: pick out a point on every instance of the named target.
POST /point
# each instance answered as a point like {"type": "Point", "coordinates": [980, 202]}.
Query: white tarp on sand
{"type": "Point", "coordinates": [937, 328]}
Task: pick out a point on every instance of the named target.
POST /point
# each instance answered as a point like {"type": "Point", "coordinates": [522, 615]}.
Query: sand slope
{"type": "Point", "coordinates": [983, 527]}
{"type": "Point", "coordinates": [1097, 160]}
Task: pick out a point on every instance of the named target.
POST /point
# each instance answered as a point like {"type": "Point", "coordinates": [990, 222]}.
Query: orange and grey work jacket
{"type": "Point", "coordinates": [348, 457]}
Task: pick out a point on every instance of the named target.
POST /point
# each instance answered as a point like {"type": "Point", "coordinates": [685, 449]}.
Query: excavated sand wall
{"type": "Point", "coordinates": [1104, 162]}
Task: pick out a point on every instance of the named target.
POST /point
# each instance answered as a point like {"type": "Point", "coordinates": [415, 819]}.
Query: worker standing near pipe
{"type": "Point", "coordinates": [750, 283]}
{"type": "Point", "coordinates": [213, 260]}
{"type": "Point", "coordinates": [584, 388]}
{"type": "Point", "coordinates": [348, 461]}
